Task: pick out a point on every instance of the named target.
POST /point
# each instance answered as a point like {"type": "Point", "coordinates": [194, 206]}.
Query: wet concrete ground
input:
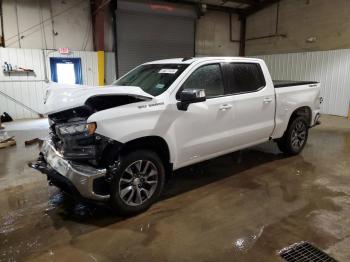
{"type": "Point", "coordinates": [241, 207]}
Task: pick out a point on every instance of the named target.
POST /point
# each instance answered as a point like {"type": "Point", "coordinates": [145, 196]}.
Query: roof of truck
{"type": "Point", "coordinates": [190, 60]}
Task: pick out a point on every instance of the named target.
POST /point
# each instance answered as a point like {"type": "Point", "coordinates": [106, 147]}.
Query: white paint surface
{"type": "Point", "coordinates": [207, 129]}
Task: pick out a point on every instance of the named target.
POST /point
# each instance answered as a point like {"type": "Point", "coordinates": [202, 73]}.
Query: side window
{"type": "Point", "coordinates": [244, 77]}
{"type": "Point", "coordinates": [207, 77]}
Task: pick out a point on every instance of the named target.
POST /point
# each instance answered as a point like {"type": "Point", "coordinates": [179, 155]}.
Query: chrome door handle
{"type": "Point", "coordinates": [267, 100]}
{"type": "Point", "coordinates": [225, 107]}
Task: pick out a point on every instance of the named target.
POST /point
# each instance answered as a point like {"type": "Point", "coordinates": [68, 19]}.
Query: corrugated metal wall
{"type": "Point", "coordinates": [331, 68]}
{"type": "Point", "coordinates": [156, 33]}
{"type": "Point", "coordinates": [29, 89]}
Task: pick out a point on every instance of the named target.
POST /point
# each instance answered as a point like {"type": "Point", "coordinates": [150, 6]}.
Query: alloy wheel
{"type": "Point", "coordinates": [298, 135]}
{"type": "Point", "coordinates": [138, 182]}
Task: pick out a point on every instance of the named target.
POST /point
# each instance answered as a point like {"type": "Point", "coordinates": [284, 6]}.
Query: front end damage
{"type": "Point", "coordinates": [75, 158]}
{"type": "Point", "coordinates": [73, 177]}
{"type": "Point", "coordinates": [80, 164]}
{"type": "Point", "coordinates": [76, 161]}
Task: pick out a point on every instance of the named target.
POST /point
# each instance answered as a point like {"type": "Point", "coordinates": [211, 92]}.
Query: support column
{"type": "Point", "coordinates": [243, 20]}
{"type": "Point", "coordinates": [113, 9]}
{"type": "Point", "coordinates": [98, 11]}
{"type": "Point", "coordinates": [101, 67]}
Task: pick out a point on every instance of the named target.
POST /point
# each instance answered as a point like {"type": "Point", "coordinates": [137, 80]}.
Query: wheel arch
{"type": "Point", "coordinates": [304, 111]}
{"type": "Point", "coordinates": [153, 143]}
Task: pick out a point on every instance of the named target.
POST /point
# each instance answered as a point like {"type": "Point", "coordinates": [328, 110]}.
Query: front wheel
{"type": "Point", "coordinates": [138, 182]}
{"type": "Point", "coordinates": [295, 137]}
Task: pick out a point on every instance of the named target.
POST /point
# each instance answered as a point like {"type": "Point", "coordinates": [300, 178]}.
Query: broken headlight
{"type": "Point", "coordinates": [76, 128]}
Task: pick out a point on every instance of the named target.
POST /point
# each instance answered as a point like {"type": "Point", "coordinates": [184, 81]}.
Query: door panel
{"type": "Point", "coordinates": [204, 129]}
{"type": "Point", "coordinates": [254, 103]}
{"type": "Point", "coordinates": [253, 117]}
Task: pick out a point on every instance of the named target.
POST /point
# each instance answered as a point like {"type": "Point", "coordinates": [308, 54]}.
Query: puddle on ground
{"type": "Point", "coordinates": [243, 207]}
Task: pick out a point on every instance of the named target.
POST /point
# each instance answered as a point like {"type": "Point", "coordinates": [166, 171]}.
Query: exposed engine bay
{"type": "Point", "coordinates": [75, 139]}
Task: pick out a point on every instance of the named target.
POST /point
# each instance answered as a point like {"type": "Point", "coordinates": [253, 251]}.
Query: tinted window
{"type": "Point", "coordinates": [244, 77]}
{"type": "Point", "coordinates": [207, 77]}
{"type": "Point", "coordinates": [154, 79]}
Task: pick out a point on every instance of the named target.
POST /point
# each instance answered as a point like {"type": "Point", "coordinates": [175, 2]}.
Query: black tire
{"type": "Point", "coordinates": [295, 137]}
{"type": "Point", "coordinates": [138, 194]}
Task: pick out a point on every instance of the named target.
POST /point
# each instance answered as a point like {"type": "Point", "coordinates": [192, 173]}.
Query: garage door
{"type": "Point", "coordinates": [149, 32]}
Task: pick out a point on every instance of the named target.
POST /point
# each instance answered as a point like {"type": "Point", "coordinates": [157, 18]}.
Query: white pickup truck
{"type": "Point", "coordinates": [118, 143]}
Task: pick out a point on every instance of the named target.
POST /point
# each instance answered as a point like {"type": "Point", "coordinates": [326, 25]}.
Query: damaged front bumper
{"type": "Point", "coordinates": [70, 176]}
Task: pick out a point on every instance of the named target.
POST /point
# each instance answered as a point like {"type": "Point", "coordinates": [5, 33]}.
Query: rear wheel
{"type": "Point", "coordinates": [295, 137]}
{"type": "Point", "coordinates": [138, 182]}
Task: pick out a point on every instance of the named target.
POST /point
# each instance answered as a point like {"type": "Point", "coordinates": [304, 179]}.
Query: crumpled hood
{"type": "Point", "coordinates": [61, 97]}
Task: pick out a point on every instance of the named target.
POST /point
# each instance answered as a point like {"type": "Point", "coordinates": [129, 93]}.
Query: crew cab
{"type": "Point", "coordinates": [117, 143]}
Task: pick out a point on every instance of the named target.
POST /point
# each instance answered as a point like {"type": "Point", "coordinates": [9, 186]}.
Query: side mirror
{"type": "Point", "coordinates": [190, 96]}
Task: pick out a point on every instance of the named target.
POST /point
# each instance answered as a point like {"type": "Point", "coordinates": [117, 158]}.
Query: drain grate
{"type": "Point", "coordinates": [304, 252]}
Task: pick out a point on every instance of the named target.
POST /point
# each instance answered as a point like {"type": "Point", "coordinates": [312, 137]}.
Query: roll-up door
{"type": "Point", "coordinates": [147, 32]}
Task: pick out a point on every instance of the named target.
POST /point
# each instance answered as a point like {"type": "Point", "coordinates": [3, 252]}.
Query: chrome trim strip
{"type": "Point", "coordinates": [81, 176]}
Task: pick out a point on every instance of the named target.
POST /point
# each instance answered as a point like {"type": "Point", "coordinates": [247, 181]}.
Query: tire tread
{"type": "Point", "coordinates": [284, 143]}
{"type": "Point", "coordinates": [116, 203]}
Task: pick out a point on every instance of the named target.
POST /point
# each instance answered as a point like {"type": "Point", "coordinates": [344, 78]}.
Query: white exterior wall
{"type": "Point", "coordinates": [30, 89]}
{"type": "Point", "coordinates": [331, 68]}
{"type": "Point", "coordinates": [48, 24]}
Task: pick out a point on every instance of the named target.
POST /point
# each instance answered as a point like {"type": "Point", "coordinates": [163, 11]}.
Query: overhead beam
{"type": "Point", "coordinates": [209, 6]}
{"type": "Point", "coordinates": [247, 2]}
{"type": "Point", "coordinates": [259, 6]}
{"type": "Point", "coordinates": [223, 9]}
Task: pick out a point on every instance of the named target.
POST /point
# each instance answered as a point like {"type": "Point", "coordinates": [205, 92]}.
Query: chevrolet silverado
{"type": "Point", "coordinates": [117, 143]}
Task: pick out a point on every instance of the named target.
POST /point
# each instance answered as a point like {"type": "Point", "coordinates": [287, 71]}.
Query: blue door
{"type": "Point", "coordinates": [66, 70]}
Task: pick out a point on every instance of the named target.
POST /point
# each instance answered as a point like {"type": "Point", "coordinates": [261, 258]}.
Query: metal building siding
{"type": "Point", "coordinates": [331, 68]}
{"type": "Point", "coordinates": [144, 37]}
{"type": "Point", "coordinates": [26, 88]}
{"type": "Point", "coordinates": [30, 89]}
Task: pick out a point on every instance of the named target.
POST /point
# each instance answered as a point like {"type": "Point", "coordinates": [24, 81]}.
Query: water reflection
{"type": "Point", "coordinates": [239, 207]}
{"type": "Point", "coordinates": [243, 244]}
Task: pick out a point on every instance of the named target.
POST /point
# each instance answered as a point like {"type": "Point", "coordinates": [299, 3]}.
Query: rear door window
{"type": "Point", "coordinates": [244, 77]}
{"type": "Point", "coordinates": [207, 77]}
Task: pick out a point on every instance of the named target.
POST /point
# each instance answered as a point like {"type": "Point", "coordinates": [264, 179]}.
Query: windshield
{"type": "Point", "coordinates": [154, 79]}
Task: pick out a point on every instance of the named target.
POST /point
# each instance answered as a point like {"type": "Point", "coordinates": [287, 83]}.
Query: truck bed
{"type": "Point", "coordinates": [286, 83]}
{"type": "Point", "coordinates": [293, 94]}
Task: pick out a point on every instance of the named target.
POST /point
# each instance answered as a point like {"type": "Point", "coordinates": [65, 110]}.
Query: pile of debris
{"type": "Point", "coordinates": [6, 140]}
